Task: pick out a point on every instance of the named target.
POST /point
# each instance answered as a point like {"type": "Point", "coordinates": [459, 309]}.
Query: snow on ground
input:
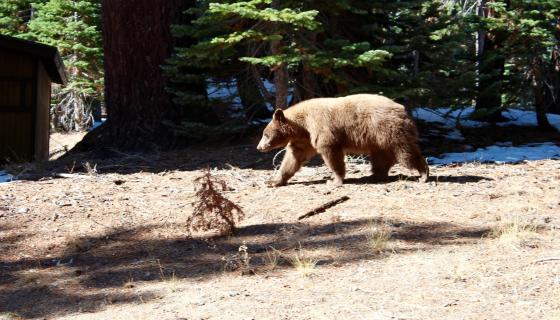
{"type": "Point", "coordinates": [451, 118]}
{"type": "Point", "coordinates": [97, 123]}
{"type": "Point", "coordinates": [502, 154]}
{"type": "Point", "coordinates": [5, 177]}
{"type": "Point", "coordinates": [227, 91]}
{"type": "Point", "coordinates": [520, 117]}
{"type": "Point", "coordinates": [447, 117]}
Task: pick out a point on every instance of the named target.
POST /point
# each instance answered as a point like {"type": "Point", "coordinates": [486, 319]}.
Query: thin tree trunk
{"type": "Point", "coordinates": [281, 77]}
{"type": "Point", "coordinates": [308, 78]}
{"type": "Point", "coordinates": [555, 73]}
{"type": "Point", "coordinates": [540, 93]}
{"type": "Point", "coordinates": [310, 85]}
{"type": "Point", "coordinates": [281, 80]}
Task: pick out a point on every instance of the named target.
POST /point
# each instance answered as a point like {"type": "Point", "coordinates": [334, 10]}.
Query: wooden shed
{"type": "Point", "coordinates": [27, 70]}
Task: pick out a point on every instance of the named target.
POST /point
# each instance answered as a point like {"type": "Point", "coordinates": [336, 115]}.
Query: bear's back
{"type": "Point", "coordinates": [348, 110]}
{"type": "Point", "coordinates": [355, 121]}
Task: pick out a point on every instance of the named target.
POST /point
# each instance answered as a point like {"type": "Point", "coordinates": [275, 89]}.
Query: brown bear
{"type": "Point", "coordinates": [332, 127]}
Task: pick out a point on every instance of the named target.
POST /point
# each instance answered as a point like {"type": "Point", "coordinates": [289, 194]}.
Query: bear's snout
{"type": "Point", "coordinates": [263, 145]}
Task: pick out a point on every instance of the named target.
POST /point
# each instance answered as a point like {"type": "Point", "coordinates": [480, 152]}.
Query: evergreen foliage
{"type": "Point", "coordinates": [418, 52]}
{"type": "Point", "coordinates": [529, 33]}
{"type": "Point", "coordinates": [74, 28]}
{"type": "Point", "coordinates": [13, 16]}
{"type": "Point", "coordinates": [243, 58]}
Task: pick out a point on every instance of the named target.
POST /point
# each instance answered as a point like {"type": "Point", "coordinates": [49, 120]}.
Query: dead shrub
{"type": "Point", "coordinates": [213, 211]}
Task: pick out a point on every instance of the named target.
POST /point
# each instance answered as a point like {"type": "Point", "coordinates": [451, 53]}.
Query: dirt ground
{"type": "Point", "coordinates": [108, 240]}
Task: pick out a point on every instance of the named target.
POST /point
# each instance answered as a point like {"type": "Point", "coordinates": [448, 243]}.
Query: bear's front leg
{"type": "Point", "coordinates": [334, 158]}
{"type": "Point", "coordinates": [293, 160]}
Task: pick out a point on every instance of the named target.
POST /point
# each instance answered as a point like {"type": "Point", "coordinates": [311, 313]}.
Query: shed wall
{"type": "Point", "coordinates": [42, 120]}
{"type": "Point", "coordinates": [16, 106]}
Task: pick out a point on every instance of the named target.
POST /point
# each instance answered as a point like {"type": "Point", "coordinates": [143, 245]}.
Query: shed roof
{"type": "Point", "coordinates": [49, 55]}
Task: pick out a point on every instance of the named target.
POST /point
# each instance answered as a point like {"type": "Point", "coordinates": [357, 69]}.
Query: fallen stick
{"type": "Point", "coordinates": [547, 259]}
{"type": "Point", "coordinates": [72, 175]}
{"type": "Point", "coordinates": [324, 207]}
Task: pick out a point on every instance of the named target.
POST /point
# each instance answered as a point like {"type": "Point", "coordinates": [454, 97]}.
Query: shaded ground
{"type": "Point", "coordinates": [111, 242]}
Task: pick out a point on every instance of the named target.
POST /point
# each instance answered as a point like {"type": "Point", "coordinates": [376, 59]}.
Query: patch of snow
{"type": "Point", "coordinates": [98, 123]}
{"type": "Point", "coordinates": [261, 121]}
{"type": "Point", "coordinates": [504, 153]}
{"type": "Point", "coordinates": [450, 117]}
{"type": "Point", "coordinates": [520, 117]}
{"type": "Point", "coordinates": [222, 90]}
{"type": "Point", "coordinates": [227, 91]}
{"type": "Point", "coordinates": [5, 177]}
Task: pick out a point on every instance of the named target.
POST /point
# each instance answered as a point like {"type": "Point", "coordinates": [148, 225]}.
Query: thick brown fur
{"type": "Point", "coordinates": [332, 127]}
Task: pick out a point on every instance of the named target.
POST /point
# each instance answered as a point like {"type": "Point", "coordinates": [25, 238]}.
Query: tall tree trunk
{"type": "Point", "coordinates": [137, 41]}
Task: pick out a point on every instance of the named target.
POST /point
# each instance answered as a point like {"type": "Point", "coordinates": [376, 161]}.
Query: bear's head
{"type": "Point", "coordinates": [277, 133]}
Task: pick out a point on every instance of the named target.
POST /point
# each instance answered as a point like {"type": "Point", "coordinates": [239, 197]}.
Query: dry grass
{"type": "Point", "coordinates": [91, 169]}
{"type": "Point", "coordinates": [460, 271]}
{"type": "Point", "coordinates": [171, 280]}
{"type": "Point", "coordinates": [515, 233]}
{"type": "Point", "coordinates": [31, 276]}
{"type": "Point", "coordinates": [303, 262]}
{"type": "Point", "coordinates": [272, 258]}
{"type": "Point", "coordinates": [10, 316]}
{"type": "Point", "coordinates": [378, 239]}
{"type": "Point", "coordinates": [129, 284]}
{"type": "Point", "coordinates": [78, 244]}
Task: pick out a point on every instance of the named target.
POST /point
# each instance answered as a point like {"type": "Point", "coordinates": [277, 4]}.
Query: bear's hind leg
{"type": "Point", "coordinates": [293, 160]}
{"type": "Point", "coordinates": [380, 165]}
{"type": "Point", "coordinates": [334, 158]}
{"type": "Point", "coordinates": [412, 159]}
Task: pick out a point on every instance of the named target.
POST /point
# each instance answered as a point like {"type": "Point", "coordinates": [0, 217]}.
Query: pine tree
{"type": "Point", "coordinates": [74, 27]}
{"type": "Point", "coordinates": [413, 51]}
{"type": "Point", "coordinates": [186, 84]}
{"type": "Point", "coordinates": [13, 16]}
{"type": "Point", "coordinates": [528, 32]}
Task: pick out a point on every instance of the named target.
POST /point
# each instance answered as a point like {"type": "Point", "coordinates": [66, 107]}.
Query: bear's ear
{"type": "Point", "coordinates": [278, 115]}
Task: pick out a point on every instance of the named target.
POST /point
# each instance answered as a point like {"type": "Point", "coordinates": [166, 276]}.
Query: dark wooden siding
{"type": "Point", "coordinates": [16, 106]}
{"type": "Point", "coordinates": [15, 64]}
{"type": "Point", "coordinates": [42, 122]}
{"type": "Point", "coordinates": [16, 136]}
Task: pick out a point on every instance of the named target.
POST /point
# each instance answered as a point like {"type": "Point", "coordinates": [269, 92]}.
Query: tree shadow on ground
{"type": "Point", "coordinates": [241, 157]}
{"type": "Point", "coordinates": [90, 272]}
